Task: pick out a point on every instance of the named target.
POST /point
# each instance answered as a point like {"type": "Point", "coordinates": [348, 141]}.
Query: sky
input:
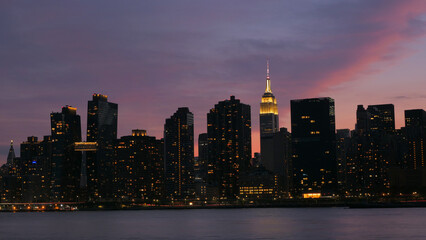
{"type": "Point", "coordinates": [152, 57]}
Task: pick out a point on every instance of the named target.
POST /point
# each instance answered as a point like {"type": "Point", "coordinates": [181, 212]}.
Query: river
{"type": "Point", "coordinates": [211, 224]}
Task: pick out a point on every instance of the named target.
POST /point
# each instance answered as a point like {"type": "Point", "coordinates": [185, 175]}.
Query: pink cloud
{"type": "Point", "coordinates": [396, 22]}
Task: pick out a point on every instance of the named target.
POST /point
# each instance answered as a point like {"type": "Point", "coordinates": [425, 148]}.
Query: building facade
{"type": "Point", "coordinates": [200, 167]}
{"type": "Point", "coordinates": [35, 165]}
{"type": "Point", "coordinates": [415, 128]}
{"type": "Point", "coordinates": [139, 169]}
{"type": "Point", "coordinates": [66, 163]}
{"type": "Point", "coordinates": [373, 151]}
{"type": "Point", "coordinates": [179, 155]}
{"type": "Point", "coordinates": [314, 146]}
{"type": "Point", "coordinates": [229, 144]}
{"type": "Point", "coordinates": [101, 128]}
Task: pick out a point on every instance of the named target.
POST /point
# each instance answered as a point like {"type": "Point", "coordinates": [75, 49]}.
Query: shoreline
{"type": "Point", "coordinates": [29, 207]}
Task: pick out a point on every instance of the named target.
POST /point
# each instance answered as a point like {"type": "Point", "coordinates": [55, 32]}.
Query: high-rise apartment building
{"type": "Point", "coordinates": [35, 165]}
{"type": "Point", "coordinates": [229, 144]}
{"type": "Point", "coordinates": [66, 163]}
{"type": "Point", "coordinates": [372, 151]}
{"type": "Point", "coordinates": [203, 153]}
{"type": "Point", "coordinates": [415, 128]}
{"type": "Point", "coordinates": [101, 128]}
{"type": "Point", "coordinates": [139, 168]}
{"type": "Point", "coordinates": [343, 138]}
{"type": "Point", "coordinates": [381, 118]}
{"type": "Point", "coordinates": [179, 154]}
{"type": "Point", "coordinates": [200, 166]}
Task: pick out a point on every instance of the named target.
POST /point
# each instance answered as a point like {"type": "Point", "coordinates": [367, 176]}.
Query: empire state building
{"type": "Point", "coordinates": [268, 110]}
{"type": "Point", "coordinates": [268, 124]}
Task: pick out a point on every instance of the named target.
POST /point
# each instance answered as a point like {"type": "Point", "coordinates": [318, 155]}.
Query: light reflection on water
{"type": "Point", "coordinates": [272, 223]}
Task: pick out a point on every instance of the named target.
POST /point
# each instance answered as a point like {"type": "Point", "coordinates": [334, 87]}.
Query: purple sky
{"type": "Point", "coordinates": [152, 57]}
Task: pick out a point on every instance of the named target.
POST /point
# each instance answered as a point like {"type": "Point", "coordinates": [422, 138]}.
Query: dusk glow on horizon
{"type": "Point", "coordinates": [153, 57]}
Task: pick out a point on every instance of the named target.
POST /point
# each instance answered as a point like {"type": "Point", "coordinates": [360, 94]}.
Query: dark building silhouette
{"type": "Point", "coordinates": [11, 184]}
{"type": "Point", "coordinates": [200, 166]}
{"type": "Point", "coordinates": [200, 185]}
{"type": "Point", "coordinates": [11, 155]}
{"type": "Point", "coordinates": [269, 125]}
{"type": "Point", "coordinates": [415, 118]}
{"type": "Point", "coordinates": [255, 161]}
{"type": "Point", "coordinates": [410, 175]}
{"type": "Point", "coordinates": [281, 154]}
{"type": "Point", "coordinates": [258, 185]}
{"type": "Point", "coordinates": [203, 153]}
{"type": "Point", "coordinates": [381, 118]}
{"type": "Point", "coordinates": [102, 129]}
{"type": "Point", "coordinates": [314, 146]}
{"type": "Point", "coordinates": [415, 127]}
{"type": "Point", "coordinates": [35, 167]}
{"type": "Point", "coordinates": [376, 118]}
{"type": "Point", "coordinates": [373, 150]}
{"type": "Point", "coordinates": [343, 138]}
{"type": "Point", "coordinates": [362, 118]}
{"type": "Point", "coordinates": [229, 143]}
{"type": "Point", "coordinates": [66, 163]}
{"type": "Point", "coordinates": [3, 170]}
{"type": "Point", "coordinates": [282, 164]}
{"type": "Point", "coordinates": [370, 158]}
{"type": "Point", "coordinates": [179, 154]}
{"type": "Point", "coordinates": [30, 169]}
{"type": "Point", "coordinates": [139, 175]}
{"type": "Point", "coordinates": [11, 179]}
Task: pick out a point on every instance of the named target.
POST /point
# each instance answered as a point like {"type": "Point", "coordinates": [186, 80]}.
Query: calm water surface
{"type": "Point", "coordinates": [211, 224]}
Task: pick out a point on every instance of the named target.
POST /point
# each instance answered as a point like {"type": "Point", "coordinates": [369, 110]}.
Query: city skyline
{"type": "Point", "coordinates": [313, 161]}
{"type": "Point", "coordinates": [52, 60]}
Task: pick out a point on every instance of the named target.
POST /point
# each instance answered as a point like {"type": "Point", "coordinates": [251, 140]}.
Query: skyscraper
{"type": "Point", "coordinates": [203, 153]}
{"type": "Point", "coordinates": [229, 143]}
{"type": "Point", "coordinates": [200, 167]}
{"type": "Point", "coordinates": [314, 143]}
{"type": "Point", "coordinates": [139, 175]}
{"type": "Point", "coordinates": [362, 118]}
{"type": "Point", "coordinates": [101, 120]}
{"type": "Point", "coordinates": [66, 163]}
{"type": "Point", "coordinates": [179, 154]}
{"type": "Point", "coordinates": [11, 155]}
{"type": "Point", "coordinates": [281, 166]}
{"type": "Point", "coordinates": [415, 128]}
{"type": "Point", "coordinates": [375, 118]}
{"type": "Point", "coordinates": [343, 138]}
{"type": "Point", "coordinates": [102, 129]}
{"type": "Point", "coordinates": [269, 125]}
{"type": "Point", "coordinates": [11, 180]}
{"type": "Point", "coordinates": [410, 177]}
{"type": "Point", "coordinates": [35, 166]}
{"type": "Point", "coordinates": [415, 118]}
{"type": "Point", "coordinates": [381, 118]}
{"type": "Point", "coordinates": [372, 151]}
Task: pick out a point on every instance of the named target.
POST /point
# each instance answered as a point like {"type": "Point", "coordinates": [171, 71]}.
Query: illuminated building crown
{"type": "Point", "coordinates": [269, 103]}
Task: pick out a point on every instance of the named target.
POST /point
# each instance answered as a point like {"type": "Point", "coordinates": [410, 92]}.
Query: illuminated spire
{"type": "Point", "coordinates": [268, 80]}
{"type": "Point", "coordinates": [267, 68]}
